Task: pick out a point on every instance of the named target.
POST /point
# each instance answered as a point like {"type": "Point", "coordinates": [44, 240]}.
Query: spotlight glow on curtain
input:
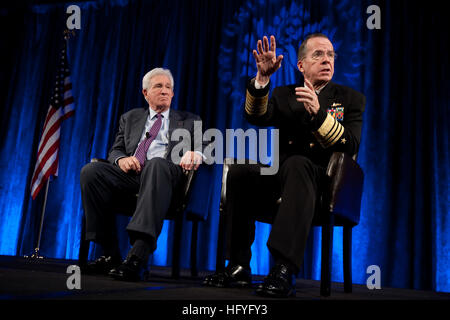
{"type": "Point", "coordinates": [207, 44]}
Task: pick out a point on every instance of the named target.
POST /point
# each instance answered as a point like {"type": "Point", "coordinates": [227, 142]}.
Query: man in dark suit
{"type": "Point", "coordinates": [314, 120]}
{"type": "Point", "coordinates": [141, 162]}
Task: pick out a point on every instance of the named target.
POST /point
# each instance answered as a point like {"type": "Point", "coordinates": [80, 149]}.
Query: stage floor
{"type": "Point", "coordinates": [39, 280]}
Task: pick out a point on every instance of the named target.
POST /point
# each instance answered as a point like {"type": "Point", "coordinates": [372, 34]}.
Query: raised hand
{"type": "Point", "coordinates": [266, 59]}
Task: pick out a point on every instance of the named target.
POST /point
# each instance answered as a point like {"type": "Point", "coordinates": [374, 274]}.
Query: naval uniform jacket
{"type": "Point", "coordinates": [335, 128]}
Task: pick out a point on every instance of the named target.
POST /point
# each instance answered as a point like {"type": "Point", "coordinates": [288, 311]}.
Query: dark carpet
{"type": "Point", "coordinates": [40, 280]}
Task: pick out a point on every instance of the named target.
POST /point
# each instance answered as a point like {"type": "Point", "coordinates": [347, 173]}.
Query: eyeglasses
{"type": "Point", "coordinates": [319, 54]}
{"type": "Point", "coordinates": [159, 87]}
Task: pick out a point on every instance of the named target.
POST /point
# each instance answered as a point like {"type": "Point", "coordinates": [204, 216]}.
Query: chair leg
{"type": "Point", "coordinates": [84, 245]}
{"type": "Point", "coordinates": [327, 251]}
{"type": "Point", "coordinates": [347, 245]}
{"type": "Point", "coordinates": [220, 259]}
{"type": "Point", "coordinates": [194, 271]}
{"type": "Point", "coordinates": [177, 247]}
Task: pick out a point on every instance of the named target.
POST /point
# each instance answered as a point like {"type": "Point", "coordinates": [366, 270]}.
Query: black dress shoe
{"type": "Point", "coordinates": [280, 283]}
{"type": "Point", "coordinates": [131, 269]}
{"type": "Point", "coordinates": [101, 265]}
{"type": "Point", "coordinates": [232, 276]}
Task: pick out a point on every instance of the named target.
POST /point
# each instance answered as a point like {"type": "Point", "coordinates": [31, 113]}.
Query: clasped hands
{"type": "Point", "coordinates": [267, 63]}
{"type": "Point", "coordinates": [190, 161]}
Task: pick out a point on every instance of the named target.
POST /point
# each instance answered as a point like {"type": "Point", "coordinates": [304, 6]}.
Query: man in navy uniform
{"type": "Point", "coordinates": [315, 119]}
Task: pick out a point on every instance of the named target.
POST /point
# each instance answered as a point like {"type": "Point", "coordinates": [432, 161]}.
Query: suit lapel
{"type": "Point", "coordinates": [326, 96]}
{"type": "Point", "coordinates": [175, 121]}
{"type": "Point", "coordinates": [295, 107]}
{"type": "Point", "coordinates": [138, 125]}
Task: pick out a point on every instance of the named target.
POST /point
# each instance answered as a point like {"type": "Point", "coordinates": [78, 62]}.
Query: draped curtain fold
{"type": "Point", "coordinates": [401, 68]}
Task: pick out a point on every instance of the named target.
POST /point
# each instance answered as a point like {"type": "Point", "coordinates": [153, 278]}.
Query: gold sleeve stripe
{"type": "Point", "coordinates": [335, 136]}
{"type": "Point", "coordinates": [326, 126]}
{"type": "Point", "coordinates": [329, 132]}
{"type": "Point", "coordinates": [334, 130]}
{"type": "Point", "coordinates": [256, 105]}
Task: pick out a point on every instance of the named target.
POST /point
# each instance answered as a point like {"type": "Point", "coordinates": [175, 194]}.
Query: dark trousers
{"type": "Point", "coordinates": [252, 196]}
{"type": "Point", "coordinates": [106, 190]}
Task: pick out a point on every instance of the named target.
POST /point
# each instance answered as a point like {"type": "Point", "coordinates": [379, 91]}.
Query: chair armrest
{"type": "Point", "coordinates": [181, 196]}
{"type": "Point", "coordinates": [223, 192]}
{"type": "Point", "coordinates": [187, 186]}
{"type": "Point", "coordinates": [345, 189]}
{"type": "Point", "coordinates": [99, 160]}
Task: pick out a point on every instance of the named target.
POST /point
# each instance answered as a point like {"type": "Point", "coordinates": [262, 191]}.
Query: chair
{"type": "Point", "coordinates": [340, 206]}
{"type": "Point", "coordinates": [176, 210]}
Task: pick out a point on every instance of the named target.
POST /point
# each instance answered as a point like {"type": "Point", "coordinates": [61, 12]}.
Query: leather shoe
{"type": "Point", "coordinates": [101, 265]}
{"type": "Point", "coordinates": [232, 276]}
{"type": "Point", "coordinates": [131, 269]}
{"type": "Point", "coordinates": [280, 283]}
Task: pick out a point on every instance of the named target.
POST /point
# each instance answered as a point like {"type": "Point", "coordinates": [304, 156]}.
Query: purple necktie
{"type": "Point", "coordinates": [141, 152]}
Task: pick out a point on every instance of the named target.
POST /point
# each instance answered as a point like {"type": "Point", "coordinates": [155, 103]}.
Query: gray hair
{"type": "Point", "coordinates": [155, 72]}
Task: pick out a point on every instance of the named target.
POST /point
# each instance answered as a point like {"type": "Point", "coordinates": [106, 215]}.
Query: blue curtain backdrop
{"type": "Point", "coordinates": [401, 68]}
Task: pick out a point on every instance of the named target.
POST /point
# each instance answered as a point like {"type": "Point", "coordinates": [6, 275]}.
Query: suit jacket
{"type": "Point", "coordinates": [335, 128]}
{"type": "Point", "coordinates": [131, 127]}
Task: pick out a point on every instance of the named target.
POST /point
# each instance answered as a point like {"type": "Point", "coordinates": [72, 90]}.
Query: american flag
{"type": "Point", "coordinates": [61, 108]}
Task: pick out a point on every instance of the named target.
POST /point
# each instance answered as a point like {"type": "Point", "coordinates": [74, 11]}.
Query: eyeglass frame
{"type": "Point", "coordinates": [322, 55]}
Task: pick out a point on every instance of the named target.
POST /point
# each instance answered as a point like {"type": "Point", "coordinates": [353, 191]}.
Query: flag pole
{"type": "Point", "coordinates": [61, 107]}
{"type": "Point", "coordinates": [36, 254]}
